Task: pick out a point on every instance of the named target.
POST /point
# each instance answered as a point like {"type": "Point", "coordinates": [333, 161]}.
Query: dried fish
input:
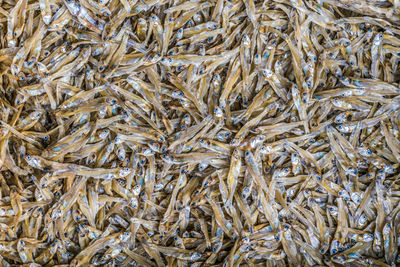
{"type": "Point", "coordinates": [199, 133]}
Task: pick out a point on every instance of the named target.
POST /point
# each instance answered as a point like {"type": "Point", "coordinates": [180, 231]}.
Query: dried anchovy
{"type": "Point", "coordinates": [188, 133]}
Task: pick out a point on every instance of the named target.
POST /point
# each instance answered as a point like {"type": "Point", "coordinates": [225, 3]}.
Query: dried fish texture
{"type": "Point", "coordinates": [199, 133]}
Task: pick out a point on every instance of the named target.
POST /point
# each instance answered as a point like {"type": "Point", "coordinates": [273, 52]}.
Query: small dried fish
{"type": "Point", "coordinates": [199, 133]}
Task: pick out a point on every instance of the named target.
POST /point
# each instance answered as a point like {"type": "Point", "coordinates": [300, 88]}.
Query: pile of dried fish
{"type": "Point", "coordinates": [188, 133]}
